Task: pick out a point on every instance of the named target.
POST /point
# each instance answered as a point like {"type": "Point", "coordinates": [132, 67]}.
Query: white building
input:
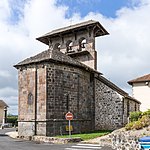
{"type": "Point", "coordinates": [141, 91]}
{"type": "Point", "coordinates": [3, 112]}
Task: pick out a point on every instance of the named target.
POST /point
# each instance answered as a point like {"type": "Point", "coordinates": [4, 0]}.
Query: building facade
{"type": "Point", "coordinates": [141, 91]}
{"type": "Point", "coordinates": [3, 112]}
{"type": "Point", "coordinates": [65, 78]}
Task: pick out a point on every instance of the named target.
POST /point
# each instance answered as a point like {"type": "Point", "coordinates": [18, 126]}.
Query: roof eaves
{"type": "Point", "coordinates": [67, 29]}
{"type": "Point", "coordinates": [112, 85]}
{"type": "Point", "coordinates": [131, 98]}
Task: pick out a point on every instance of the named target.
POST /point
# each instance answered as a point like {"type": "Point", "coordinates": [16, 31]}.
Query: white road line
{"type": "Point", "coordinates": [89, 144]}
{"type": "Point", "coordinates": [74, 149]}
{"type": "Point", "coordinates": [88, 147]}
{"type": "Point", "coordinates": [81, 146]}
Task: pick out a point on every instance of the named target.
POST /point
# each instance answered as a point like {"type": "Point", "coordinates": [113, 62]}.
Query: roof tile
{"type": "Point", "coordinates": [140, 79]}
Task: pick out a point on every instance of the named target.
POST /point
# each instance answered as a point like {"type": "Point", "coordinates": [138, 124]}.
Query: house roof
{"type": "Point", "coordinates": [2, 103]}
{"type": "Point", "coordinates": [144, 78]}
{"type": "Point", "coordinates": [76, 27]}
{"type": "Point", "coordinates": [53, 56]}
{"type": "Point", "coordinates": [116, 88]}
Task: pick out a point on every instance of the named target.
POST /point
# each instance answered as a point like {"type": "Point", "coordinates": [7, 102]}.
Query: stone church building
{"type": "Point", "coordinates": [65, 78]}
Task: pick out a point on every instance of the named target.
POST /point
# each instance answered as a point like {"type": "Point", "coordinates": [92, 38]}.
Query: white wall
{"type": "Point", "coordinates": [1, 114]}
{"type": "Point", "coordinates": [141, 92]}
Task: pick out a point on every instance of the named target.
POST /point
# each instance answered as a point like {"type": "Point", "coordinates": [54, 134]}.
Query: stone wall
{"type": "Point", "coordinates": [32, 100]}
{"type": "Point", "coordinates": [108, 107]}
{"type": "Point", "coordinates": [69, 89]}
{"type": "Point", "coordinates": [111, 108]}
{"type": "Point", "coordinates": [128, 140]}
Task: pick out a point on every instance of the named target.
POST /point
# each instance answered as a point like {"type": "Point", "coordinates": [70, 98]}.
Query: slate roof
{"type": "Point", "coordinates": [116, 88]}
{"type": "Point", "coordinates": [2, 103]}
{"type": "Point", "coordinates": [145, 78]}
{"type": "Point", "coordinates": [75, 27]}
{"type": "Point", "coordinates": [53, 56]}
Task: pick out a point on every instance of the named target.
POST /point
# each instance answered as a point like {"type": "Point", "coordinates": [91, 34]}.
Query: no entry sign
{"type": "Point", "coordinates": [69, 116]}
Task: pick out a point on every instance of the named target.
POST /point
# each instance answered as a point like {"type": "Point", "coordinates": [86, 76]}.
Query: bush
{"type": "Point", "coordinates": [134, 116]}
{"type": "Point", "coordinates": [129, 126]}
{"type": "Point", "coordinates": [142, 122]}
{"type": "Point", "coordinates": [146, 113]}
{"type": "Point", "coordinates": [138, 125]}
{"type": "Point", "coordinates": [145, 120]}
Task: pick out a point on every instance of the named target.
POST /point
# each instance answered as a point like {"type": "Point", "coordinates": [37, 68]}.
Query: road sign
{"type": "Point", "coordinates": [69, 116]}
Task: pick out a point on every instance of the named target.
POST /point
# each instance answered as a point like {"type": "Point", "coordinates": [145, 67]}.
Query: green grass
{"type": "Point", "coordinates": [87, 136]}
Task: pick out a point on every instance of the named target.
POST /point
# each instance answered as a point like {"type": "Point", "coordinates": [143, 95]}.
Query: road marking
{"type": "Point", "coordinates": [89, 144]}
{"type": "Point", "coordinates": [90, 147]}
{"type": "Point", "coordinates": [84, 147]}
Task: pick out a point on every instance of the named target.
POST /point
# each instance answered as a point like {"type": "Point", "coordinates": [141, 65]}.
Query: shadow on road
{"type": "Point", "coordinates": [3, 135]}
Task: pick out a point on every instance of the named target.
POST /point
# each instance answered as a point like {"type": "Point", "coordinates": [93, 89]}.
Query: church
{"type": "Point", "coordinates": [65, 78]}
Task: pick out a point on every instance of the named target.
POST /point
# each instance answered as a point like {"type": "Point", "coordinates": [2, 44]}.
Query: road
{"type": "Point", "coordinates": [7, 143]}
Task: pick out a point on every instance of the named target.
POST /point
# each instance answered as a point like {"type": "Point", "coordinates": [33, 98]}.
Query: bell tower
{"type": "Point", "coordinates": [76, 41]}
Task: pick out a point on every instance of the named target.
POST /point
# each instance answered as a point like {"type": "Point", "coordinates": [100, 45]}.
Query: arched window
{"type": "Point", "coordinates": [57, 46]}
{"type": "Point", "coordinates": [30, 99]}
{"type": "Point", "coordinates": [82, 43]}
{"type": "Point", "coordinates": [69, 45]}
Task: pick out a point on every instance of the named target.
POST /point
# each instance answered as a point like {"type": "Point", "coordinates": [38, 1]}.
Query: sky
{"type": "Point", "coordinates": [123, 55]}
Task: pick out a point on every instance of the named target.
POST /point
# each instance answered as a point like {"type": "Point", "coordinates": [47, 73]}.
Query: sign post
{"type": "Point", "coordinates": [69, 117]}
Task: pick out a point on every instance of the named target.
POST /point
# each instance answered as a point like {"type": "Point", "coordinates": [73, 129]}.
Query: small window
{"type": "Point", "coordinates": [69, 46]}
{"type": "Point", "coordinates": [30, 99]}
{"type": "Point", "coordinates": [82, 43]}
{"type": "Point", "coordinates": [57, 46]}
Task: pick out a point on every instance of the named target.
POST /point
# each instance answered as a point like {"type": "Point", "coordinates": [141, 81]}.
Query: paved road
{"type": "Point", "coordinates": [7, 143]}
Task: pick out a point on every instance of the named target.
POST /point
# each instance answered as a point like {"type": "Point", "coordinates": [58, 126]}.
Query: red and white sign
{"type": "Point", "coordinates": [69, 116]}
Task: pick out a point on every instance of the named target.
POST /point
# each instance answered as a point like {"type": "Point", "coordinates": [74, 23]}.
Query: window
{"type": "Point", "coordinates": [57, 46]}
{"type": "Point", "coordinates": [30, 99]}
{"type": "Point", "coordinates": [69, 46]}
{"type": "Point", "coordinates": [82, 43]}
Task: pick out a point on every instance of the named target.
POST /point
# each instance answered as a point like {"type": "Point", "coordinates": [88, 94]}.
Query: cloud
{"type": "Point", "coordinates": [122, 55]}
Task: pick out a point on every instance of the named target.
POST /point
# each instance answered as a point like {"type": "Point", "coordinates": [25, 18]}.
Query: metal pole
{"type": "Point", "coordinates": [69, 130]}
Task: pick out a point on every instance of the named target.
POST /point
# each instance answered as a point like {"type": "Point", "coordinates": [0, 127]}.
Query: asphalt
{"type": "Point", "coordinates": [7, 143]}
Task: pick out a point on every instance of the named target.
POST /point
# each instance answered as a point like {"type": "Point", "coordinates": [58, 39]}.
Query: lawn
{"type": "Point", "coordinates": [87, 136]}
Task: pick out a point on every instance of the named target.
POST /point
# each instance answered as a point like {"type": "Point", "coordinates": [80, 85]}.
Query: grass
{"type": "Point", "coordinates": [87, 136]}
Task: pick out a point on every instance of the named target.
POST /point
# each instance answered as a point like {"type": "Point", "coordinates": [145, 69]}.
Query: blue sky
{"type": "Point", "coordinates": [106, 7]}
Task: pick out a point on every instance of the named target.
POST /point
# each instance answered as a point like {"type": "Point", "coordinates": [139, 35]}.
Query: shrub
{"type": "Point", "coordinates": [134, 116]}
{"type": "Point", "coordinates": [129, 126]}
{"type": "Point", "coordinates": [138, 125]}
{"type": "Point", "coordinates": [146, 113]}
{"type": "Point", "coordinates": [142, 122]}
{"type": "Point", "coordinates": [145, 120]}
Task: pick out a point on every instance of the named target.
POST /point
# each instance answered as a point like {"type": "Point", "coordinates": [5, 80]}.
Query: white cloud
{"type": "Point", "coordinates": [5, 74]}
{"type": "Point", "coordinates": [122, 55]}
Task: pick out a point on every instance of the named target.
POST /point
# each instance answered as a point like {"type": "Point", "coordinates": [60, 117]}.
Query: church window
{"type": "Point", "coordinates": [57, 46]}
{"type": "Point", "coordinates": [69, 46]}
{"type": "Point", "coordinates": [30, 99]}
{"type": "Point", "coordinates": [82, 43]}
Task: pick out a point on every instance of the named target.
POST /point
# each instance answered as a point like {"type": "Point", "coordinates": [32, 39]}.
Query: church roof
{"type": "Point", "coordinates": [144, 78]}
{"type": "Point", "coordinates": [2, 103]}
{"type": "Point", "coordinates": [116, 88]}
{"type": "Point", "coordinates": [76, 27]}
{"type": "Point", "coordinates": [53, 56]}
